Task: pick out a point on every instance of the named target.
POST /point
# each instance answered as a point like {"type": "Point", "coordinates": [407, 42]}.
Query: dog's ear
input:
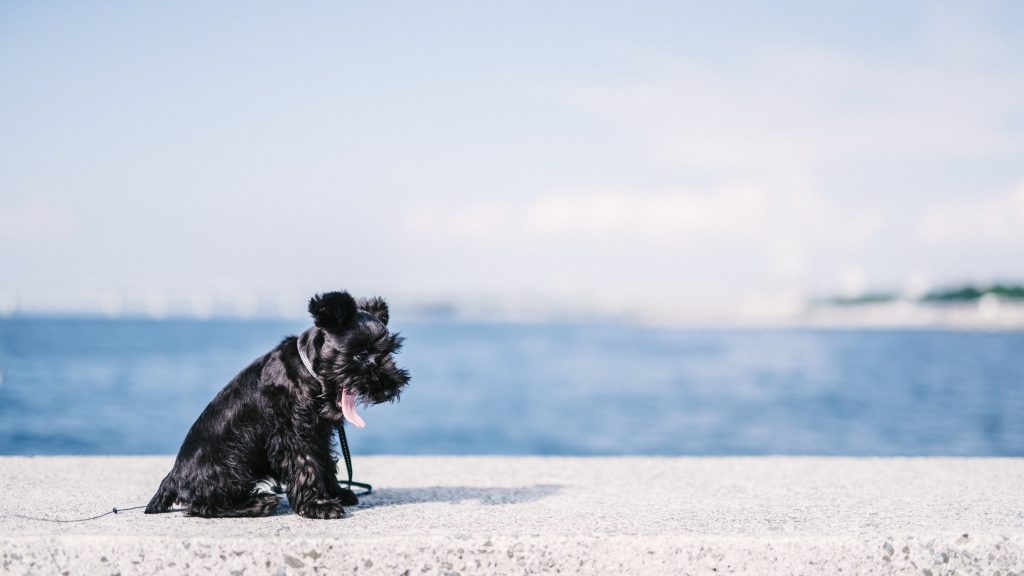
{"type": "Point", "coordinates": [376, 306]}
{"type": "Point", "coordinates": [332, 310]}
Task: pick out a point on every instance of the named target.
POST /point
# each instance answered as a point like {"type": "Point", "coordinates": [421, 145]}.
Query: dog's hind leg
{"type": "Point", "coordinates": [254, 505]}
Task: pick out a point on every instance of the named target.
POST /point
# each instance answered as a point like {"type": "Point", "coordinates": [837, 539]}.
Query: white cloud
{"type": "Point", "coordinates": [614, 246]}
{"type": "Point", "coordinates": [660, 218]}
{"type": "Point", "coordinates": [32, 222]}
{"type": "Point", "coordinates": [671, 219]}
{"type": "Point", "coordinates": [994, 220]}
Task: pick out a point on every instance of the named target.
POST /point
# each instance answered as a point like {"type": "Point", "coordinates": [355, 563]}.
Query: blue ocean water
{"type": "Point", "coordinates": [82, 386]}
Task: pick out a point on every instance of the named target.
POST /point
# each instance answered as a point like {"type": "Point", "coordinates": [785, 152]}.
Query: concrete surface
{"type": "Point", "coordinates": [497, 515]}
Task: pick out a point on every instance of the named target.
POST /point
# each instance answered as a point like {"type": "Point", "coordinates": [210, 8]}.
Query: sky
{"type": "Point", "coordinates": [631, 157]}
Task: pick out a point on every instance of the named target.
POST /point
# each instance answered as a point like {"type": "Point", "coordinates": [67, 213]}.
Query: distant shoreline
{"type": "Point", "coordinates": [992, 314]}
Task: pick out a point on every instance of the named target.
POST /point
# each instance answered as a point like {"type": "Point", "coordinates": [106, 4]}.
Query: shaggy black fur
{"type": "Point", "coordinates": [274, 420]}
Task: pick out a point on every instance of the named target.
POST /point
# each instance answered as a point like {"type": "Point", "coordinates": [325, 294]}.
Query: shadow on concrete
{"type": "Point", "coordinates": [450, 494]}
{"type": "Point", "coordinates": [456, 494]}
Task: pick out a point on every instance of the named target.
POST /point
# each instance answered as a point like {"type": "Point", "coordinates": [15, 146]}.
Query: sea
{"type": "Point", "coordinates": [134, 386]}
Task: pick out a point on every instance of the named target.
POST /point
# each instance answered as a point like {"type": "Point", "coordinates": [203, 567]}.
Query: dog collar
{"type": "Point", "coordinates": [305, 361]}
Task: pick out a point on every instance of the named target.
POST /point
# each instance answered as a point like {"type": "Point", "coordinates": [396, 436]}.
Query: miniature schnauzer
{"type": "Point", "coordinates": [275, 419]}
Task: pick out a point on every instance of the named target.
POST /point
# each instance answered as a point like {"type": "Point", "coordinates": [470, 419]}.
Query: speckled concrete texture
{"type": "Point", "coordinates": [519, 515]}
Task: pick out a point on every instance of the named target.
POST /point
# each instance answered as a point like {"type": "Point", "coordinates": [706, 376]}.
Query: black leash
{"type": "Point", "coordinates": [114, 511]}
{"type": "Point", "coordinates": [343, 440]}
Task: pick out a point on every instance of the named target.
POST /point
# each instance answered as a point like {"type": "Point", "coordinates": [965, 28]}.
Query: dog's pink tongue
{"type": "Point", "coordinates": [348, 409]}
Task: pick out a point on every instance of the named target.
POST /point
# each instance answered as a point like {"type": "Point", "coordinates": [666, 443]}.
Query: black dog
{"type": "Point", "coordinates": [274, 420]}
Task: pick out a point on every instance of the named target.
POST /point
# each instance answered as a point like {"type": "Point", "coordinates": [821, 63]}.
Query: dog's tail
{"type": "Point", "coordinates": [165, 496]}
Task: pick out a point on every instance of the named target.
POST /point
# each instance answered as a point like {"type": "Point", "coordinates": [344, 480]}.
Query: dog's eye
{"type": "Point", "coordinates": [361, 357]}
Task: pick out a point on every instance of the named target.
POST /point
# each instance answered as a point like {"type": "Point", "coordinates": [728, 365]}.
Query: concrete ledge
{"type": "Point", "coordinates": [471, 515]}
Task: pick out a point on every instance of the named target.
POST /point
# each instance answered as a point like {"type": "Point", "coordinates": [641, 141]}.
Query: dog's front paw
{"type": "Point", "coordinates": [348, 497]}
{"type": "Point", "coordinates": [323, 509]}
